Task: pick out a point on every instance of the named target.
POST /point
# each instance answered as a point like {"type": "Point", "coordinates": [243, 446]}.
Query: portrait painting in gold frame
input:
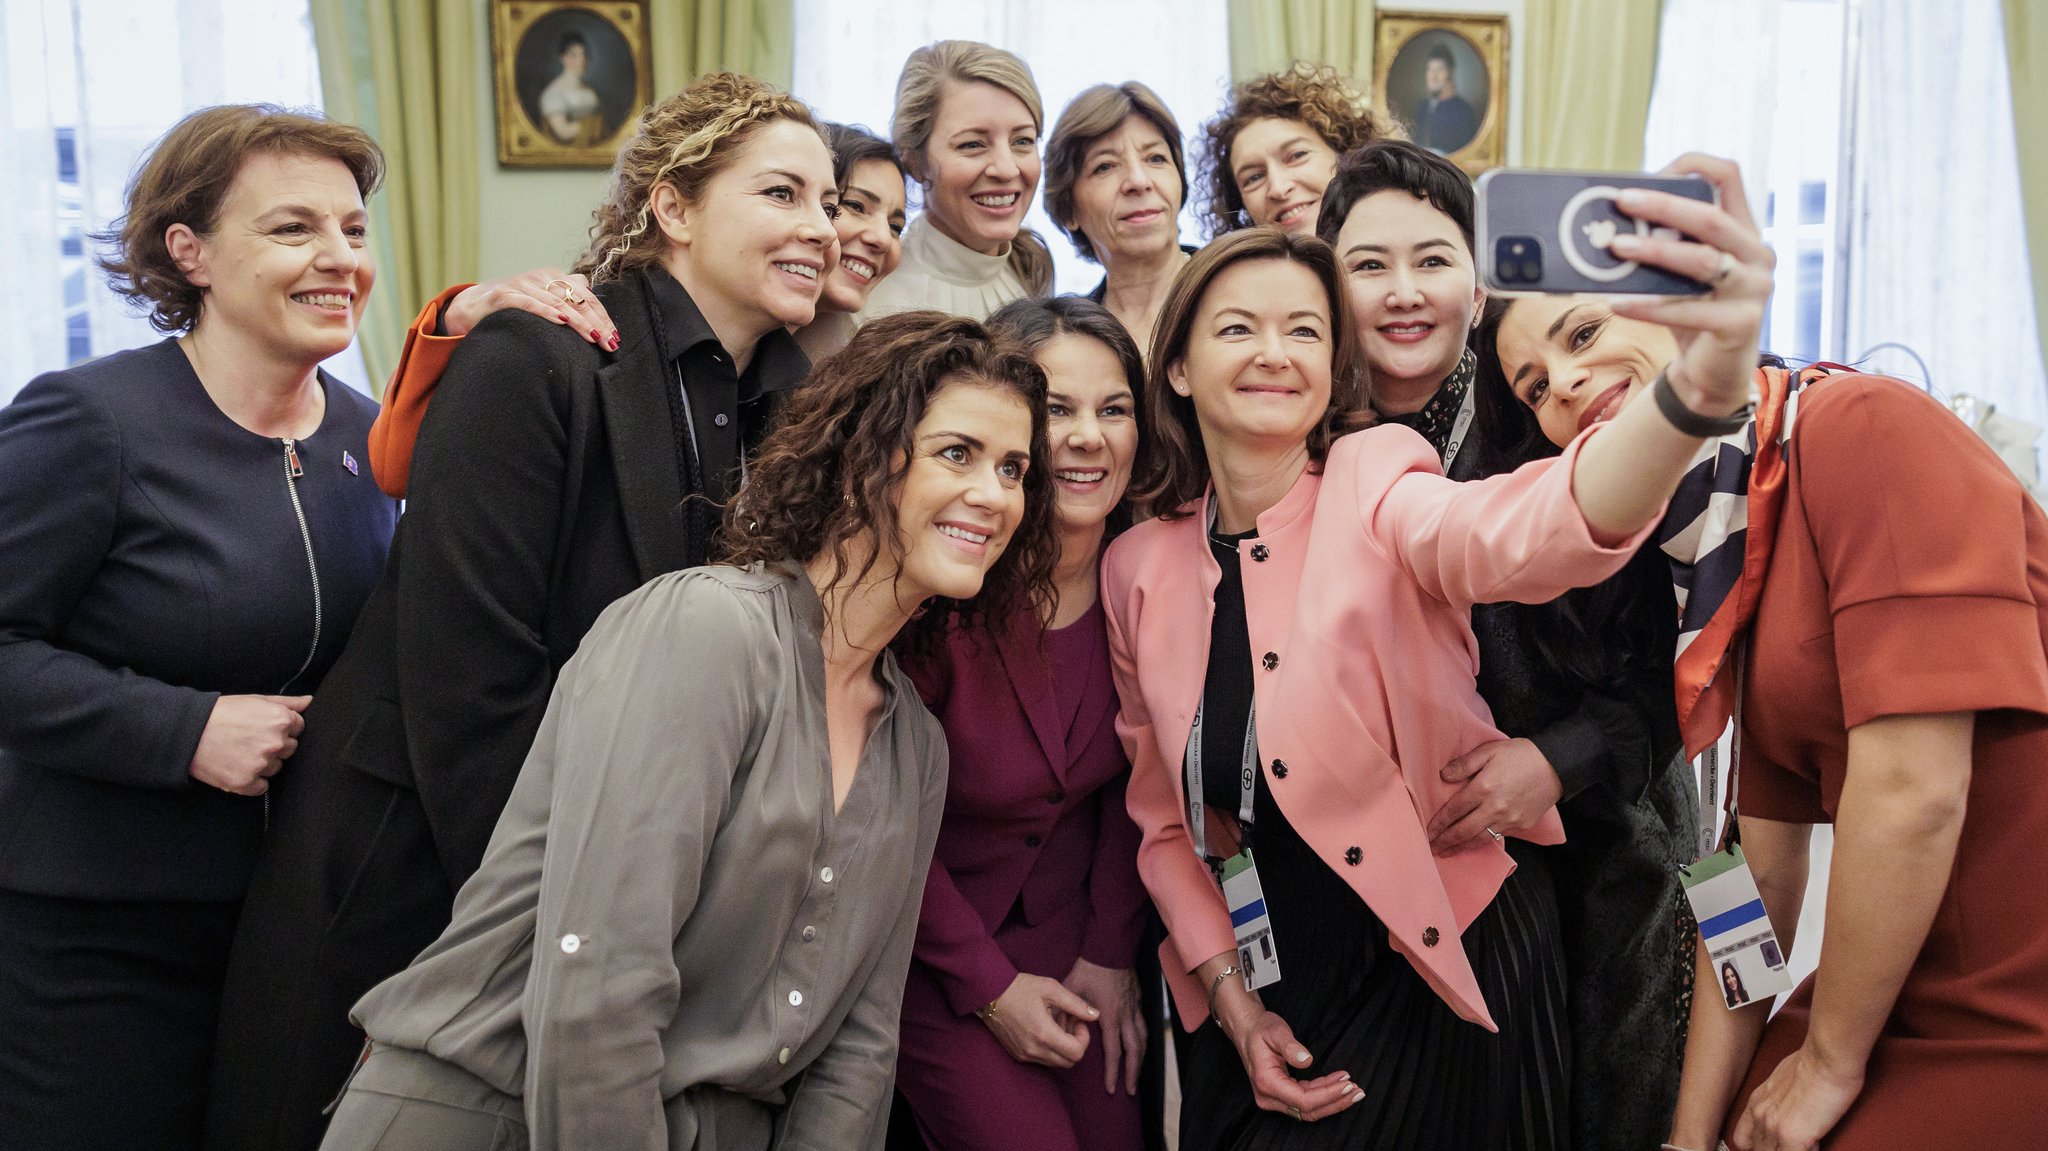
{"type": "Point", "coordinates": [1446, 78]}
{"type": "Point", "coordinates": [572, 78]}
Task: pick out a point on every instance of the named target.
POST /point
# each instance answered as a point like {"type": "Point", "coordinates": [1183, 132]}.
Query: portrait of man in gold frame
{"type": "Point", "coordinates": [572, 77]}
{"type": "Point", "coordinates": [1446, 78]}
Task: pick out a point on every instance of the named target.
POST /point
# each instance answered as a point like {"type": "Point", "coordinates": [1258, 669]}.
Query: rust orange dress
{"type": "Point", "coordinates": [1910, 576]}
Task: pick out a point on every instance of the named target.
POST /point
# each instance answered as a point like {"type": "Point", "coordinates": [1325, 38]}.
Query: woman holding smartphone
{"type": "Point", "coordinates": [1418, 1000]}
{"type": "Point", "coordinates": [1878, 634]}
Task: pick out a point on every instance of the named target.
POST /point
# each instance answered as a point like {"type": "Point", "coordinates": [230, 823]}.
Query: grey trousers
{"type": "Point", "coordinates": [401, 1100]}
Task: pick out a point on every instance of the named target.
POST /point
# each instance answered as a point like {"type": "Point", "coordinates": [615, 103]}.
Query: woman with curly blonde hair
{"type": "Point", "coordinates": [1267, 155]}
{"type": "Point", "coordinates": [549, 480]}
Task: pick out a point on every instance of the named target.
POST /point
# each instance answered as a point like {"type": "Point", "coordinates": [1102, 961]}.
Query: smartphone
{"type": "Point", "coordinates": [1547, 233]}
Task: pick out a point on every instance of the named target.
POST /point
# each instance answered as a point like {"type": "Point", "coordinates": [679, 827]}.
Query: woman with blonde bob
{"type": "Point", "coordinates": [1115, 180]}
{"type": "Point", "coordinates": [549, 480]}
{"type": "Point", "coordinates": [1294, 659]}
{"type": "Point", "coordinates": [692, 925]}
{"type": "Point", "coordinates": [968, 118]}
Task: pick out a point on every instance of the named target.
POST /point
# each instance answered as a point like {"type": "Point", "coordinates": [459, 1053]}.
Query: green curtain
{"type": "Point", "coordinates": [2026, 53]}
{"type": "Point", "coordinates": [406, 71]}
{"type": "Point", "coordinates": [692, 37]}
{"type": "Point", "coordinates": [1589, 68]}
{"type": "Point", "coordinates": [1268, 35]}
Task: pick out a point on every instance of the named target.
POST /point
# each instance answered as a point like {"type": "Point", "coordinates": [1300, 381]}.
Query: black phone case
{"type": "Point", "coordinates": [1555, 220]}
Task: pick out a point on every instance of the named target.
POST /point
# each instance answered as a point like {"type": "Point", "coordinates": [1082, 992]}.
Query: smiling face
{"type": "Point", "coordinates": [962, 495]}
{"type": "Point", "coordinates": [982, 163]}
{"type": "Point", "coordinates": [1281, 168]}
{"type": "Point", "coordinates": [1258, 356]}
{"type": "Point", "coordinates": [287, 265]}
{"type": "Point", "coordinates": [870, 227]}
{"type": "Point", "coordinates": [1413, 288]}
{"type": "Point", "coordinates": [1091, 425]}
{"type": "Point", "coordinates": [1128, 195]}
{"type": "Point", "coordinates": [756, 245]}
{"type": "Point", "coordinates": [1575, 363]}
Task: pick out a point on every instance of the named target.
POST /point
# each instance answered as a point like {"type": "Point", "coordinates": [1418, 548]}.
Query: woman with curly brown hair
{"type": "Point", "coordinates": [550, 479]}
{"type": "Point", "coordinates": [692, 924]}
{"type": "Point", "coordinates": [1268, 154]}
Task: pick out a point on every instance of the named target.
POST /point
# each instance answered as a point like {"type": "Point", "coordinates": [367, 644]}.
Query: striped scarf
{"type": "Point", "coordinates": [1718, 534]}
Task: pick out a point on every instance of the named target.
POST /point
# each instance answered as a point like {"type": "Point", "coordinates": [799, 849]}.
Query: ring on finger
{"type": "Point", "coordinates": [568, 293]}
{"type": "Point", "coordinates": [1294, 1111]}
{"type": "Point", "coordinates": [1726, 266]}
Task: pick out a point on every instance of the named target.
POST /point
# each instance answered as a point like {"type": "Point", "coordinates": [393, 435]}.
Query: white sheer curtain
{"type": "Point", "coordinates": [848, 56]}
{"type": "Point", "coordinates": [95, 82]}
{"type": "Point", "coordinates": [1937, 252]}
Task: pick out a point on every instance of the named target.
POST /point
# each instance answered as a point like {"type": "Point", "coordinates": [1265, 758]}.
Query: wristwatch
{"type": "Point", "coordinates": [1691, 422]}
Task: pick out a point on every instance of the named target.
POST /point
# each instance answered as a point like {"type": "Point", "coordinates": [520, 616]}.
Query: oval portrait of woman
{"type": "Point", "coordinates": [574, 73]}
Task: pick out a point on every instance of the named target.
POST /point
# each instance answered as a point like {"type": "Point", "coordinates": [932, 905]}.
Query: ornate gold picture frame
{"type": "Point", "coordinates": [572, 78]}
{"type": "Point", "coordinates": [1446, 77]}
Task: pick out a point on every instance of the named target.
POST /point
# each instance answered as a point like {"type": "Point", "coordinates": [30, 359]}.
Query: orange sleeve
{"type": "Point", "coordinates": [1931, 550]}
{"type": "Point", "coordinates": [420, 364]}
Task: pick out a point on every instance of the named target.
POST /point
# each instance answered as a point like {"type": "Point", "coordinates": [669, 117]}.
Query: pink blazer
{"type": "Point", "coordinates": [1358, 593]}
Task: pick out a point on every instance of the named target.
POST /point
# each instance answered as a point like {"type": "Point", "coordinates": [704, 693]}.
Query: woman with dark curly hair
{"type": "Point", "coordinates": [692, 924]}
{"type": "Point", "coordinates": [187, 535]}
{"type": "Point", "coordinates": [1268, 154]}
{"type": "Point", "coordinates": [550, 480]}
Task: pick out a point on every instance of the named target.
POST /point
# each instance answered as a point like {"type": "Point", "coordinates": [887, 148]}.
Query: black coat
{"type": "Point", "coordinates": [153, 558]}
{"type": "Point", "coordinates": [546, 484]}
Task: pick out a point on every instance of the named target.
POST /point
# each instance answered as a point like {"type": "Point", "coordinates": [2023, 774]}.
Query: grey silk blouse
{"type": "Point", "coordinates": [674, 941]}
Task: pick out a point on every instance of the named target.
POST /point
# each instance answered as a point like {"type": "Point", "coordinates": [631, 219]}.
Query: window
{"type": "Point", "coordinates": [1878, 152]}
{"type": "Point", "coordinates": [848, 57]}
{"type": "Point", "coordinates": [90, 85]}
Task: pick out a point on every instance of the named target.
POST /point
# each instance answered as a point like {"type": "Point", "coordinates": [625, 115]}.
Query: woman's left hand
{"type": "Point", "coordinates": [1801, 1102]}
{"type": "Point", "coordinates": [1717, 333]}
{"type": "Point", "coordinates": [1507, 785]}
{"type": "Point", "coordinates": [1114, 992]}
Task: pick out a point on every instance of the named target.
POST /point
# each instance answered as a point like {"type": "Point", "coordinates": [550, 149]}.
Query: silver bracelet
{"type": "Point", "coordinates": [1216, 984]}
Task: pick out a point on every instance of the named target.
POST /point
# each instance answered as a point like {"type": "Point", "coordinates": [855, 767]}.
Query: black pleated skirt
{"type": "Point", "coordinates": [1431, 1080]}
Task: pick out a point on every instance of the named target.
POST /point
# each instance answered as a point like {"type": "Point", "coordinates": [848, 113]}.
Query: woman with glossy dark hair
{"type": "Point", "coordinates": [1021, 1020]}
{"type": "Point", "coordinates": [1293, 656]}
{"type": "Point", "coordinates": [1581, 686]}
{"type": "Point", "coordinates": [1115, 180]}
{"type": "Point", "coordinates": [550, 480]}
{"type": "Point", "coordinates": [188, 533]}
{"type": "Point", "coordinates": [1876, 630]}
{"type": "Point", "coordinates": [691, 927]}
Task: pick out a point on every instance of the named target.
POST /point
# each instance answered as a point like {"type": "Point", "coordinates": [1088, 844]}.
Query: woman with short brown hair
{"type": "Point", "coordinates": [1115, 181]}
{"type": "Point", "coordinates": [188, 533]}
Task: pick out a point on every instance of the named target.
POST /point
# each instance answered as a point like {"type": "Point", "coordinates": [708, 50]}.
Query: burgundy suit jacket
{"type": "Point", "coordinates": [1035, 814]}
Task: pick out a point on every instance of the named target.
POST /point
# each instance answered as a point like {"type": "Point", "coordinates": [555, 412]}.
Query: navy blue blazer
{"type": "Point", "coordinates": [157, 556]}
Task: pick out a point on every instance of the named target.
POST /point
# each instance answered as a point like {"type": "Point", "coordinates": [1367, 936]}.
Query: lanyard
{"type": "Point", "coordinates": [1248, 764]}
{"type": "Point", "coordinates": [1248, 771]}
{"type": "Point", "coordinates": [1459, 426]}
{"type": "Point", "coordinates": [1709, 769]}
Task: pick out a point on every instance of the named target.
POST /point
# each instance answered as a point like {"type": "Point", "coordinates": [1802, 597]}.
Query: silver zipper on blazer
{"type": "Point", "coordinates": [293, 471]}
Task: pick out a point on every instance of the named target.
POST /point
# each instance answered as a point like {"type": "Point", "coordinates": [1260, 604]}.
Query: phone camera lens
{"type": "Point", "coordinates": [1518, 260]}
